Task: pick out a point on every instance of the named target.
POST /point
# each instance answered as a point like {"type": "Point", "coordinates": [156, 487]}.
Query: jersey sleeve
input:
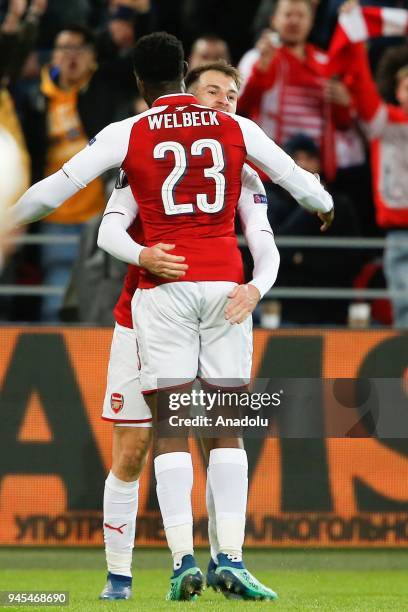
{"type": "Point", "coordinates": [106, 150]}
{"type": "Point", "coordinates": [43, 198]}
{"type": "Point", "coordinates": [252, 211]}
{"type": "Point", "coordinates": [281, 169]}
{"type": "Point", "coordinates": [253, 203]}
{"type": "Point", "coordinates": [251, 182]}
{"type": "Point", "coordinates": [120, 212]}
{"type": "Point", "coordinates": [122, 202]}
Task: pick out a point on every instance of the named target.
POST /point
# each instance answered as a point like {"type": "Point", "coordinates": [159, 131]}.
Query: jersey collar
{"type": "Point", "coordinates": [175, 100]}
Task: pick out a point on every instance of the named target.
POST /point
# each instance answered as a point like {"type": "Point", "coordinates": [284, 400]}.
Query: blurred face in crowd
{"type": "Point", "coordinates": [216, 90]}
{"type": "Point", "coordinates": [74, 58]}
{"type": "Point", "coordinates": [122, 33]}
{"type": "Point", "coordinates": [205, 51]}
{"type": "Point", "coordinates": [401, 93]}
{"type": "Point", "coordinates": [293, 20]}
{"type": "Point", "coordinates": [307, 161]}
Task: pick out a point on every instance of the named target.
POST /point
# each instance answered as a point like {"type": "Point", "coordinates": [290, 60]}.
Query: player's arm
{"type": "Point", "coordinates": [107, 150]}
{"type": "Point", "coordinates": [252, 210]}
{"type": "Point", "coordinates": [283, 171]}
{"type": "Point", "coordinates": [120, 213]}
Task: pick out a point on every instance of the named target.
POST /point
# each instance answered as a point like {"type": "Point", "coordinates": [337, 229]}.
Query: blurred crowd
{"type": "Point", "coordinates": [66, 72]}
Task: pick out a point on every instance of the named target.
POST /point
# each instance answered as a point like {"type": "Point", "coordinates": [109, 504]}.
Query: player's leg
{"type": "Point", "coordinates": [125, 406]}
{"type": "Point", "coordinates": [166, 323]}
{"type": "Point", "coordinates": [209, 444]}
{"type": "Point", "coordinates": [120, 505]}
{"type": "Point", "coordinates": [225, 361]}
{"type": "Point", "coordinates": [174, 478]}
{"type": "Point", "coordinates": [228, 481]}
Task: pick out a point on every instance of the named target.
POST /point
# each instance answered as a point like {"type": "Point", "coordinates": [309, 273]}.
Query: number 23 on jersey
{"type": "Point", "coordinates": [180, 166]}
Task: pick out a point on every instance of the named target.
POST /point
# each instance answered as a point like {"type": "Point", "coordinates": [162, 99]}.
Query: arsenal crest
{"type": "Point", "coordinates": [117, 402]}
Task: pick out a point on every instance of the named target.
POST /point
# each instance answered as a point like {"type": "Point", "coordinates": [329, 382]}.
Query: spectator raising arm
{"type": "Point", "coordinates": [261, 77]}
{"type": "Point", "coordinates": [368, 103]}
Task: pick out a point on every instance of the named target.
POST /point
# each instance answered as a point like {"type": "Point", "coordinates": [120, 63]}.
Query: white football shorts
{"type": "Point", "coordinates": [124, 403]}
{"type": "Point", "coordinates": [183, 334]}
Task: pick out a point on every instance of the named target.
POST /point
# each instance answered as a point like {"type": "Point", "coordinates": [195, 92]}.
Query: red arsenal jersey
{"type": "Point", "coordinates": [183, 162]}
{"type": "Point", "coordinates": [184, 165]}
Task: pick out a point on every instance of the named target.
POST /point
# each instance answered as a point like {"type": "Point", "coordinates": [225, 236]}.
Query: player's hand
{"type": "Point", "coordinates": [159, 262]}
{"type": "Point", "coordinates": [241, 303]}
{"type": "Point", "coordinates": [327, 219]}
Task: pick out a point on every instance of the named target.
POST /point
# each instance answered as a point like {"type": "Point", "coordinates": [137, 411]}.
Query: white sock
{"type": "Point", "coordinates": [228, 474]}
{"type": "Point", "coordinates": [174, 476]}
{"type": "Point", "coordinates": [120, 503]}
{"type": "Point", "coordinates": [212, 522]}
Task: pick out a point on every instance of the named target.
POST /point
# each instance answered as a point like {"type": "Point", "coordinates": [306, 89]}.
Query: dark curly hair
{"type": "Point", "coordinates": [158, 58]}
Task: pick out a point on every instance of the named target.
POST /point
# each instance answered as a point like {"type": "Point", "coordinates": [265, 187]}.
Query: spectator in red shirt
{"type": "Point", "coordinates": [287, 91]}
{"type": "Point", "coordinates": [386, 126]}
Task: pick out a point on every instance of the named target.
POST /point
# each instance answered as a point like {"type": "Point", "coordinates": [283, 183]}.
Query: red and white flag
{"type": "Point", "coordinates": [361, 23]}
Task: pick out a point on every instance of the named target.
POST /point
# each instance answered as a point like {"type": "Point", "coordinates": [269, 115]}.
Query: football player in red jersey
{"type": "Point", "coordinates": [124, 405]}
{"type": "Point", "coordinates": [168, 331]}
{"type": "Point", "coordinates": [134, 139]}
{"type": "Point", "coordinates": [216, 86]}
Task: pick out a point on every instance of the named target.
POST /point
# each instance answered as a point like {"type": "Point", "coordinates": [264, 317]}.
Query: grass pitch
{"type": "Point", "coordinates": [329, 580]}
